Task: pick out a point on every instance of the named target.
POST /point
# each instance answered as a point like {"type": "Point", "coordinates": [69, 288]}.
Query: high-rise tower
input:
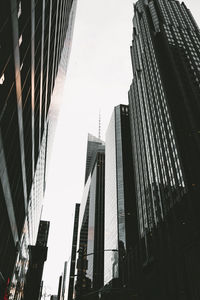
{"type": "Point", "coordinates": [32, 37]}
{"type": "Point", "coordinates": [90, 261]}
{"type": "Point", "coordinates": [165, 121]}
{"type": "Point", "coordinates": [121, 233]}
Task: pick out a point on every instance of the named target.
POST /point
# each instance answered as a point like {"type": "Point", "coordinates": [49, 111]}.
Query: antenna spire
{"type": "Point", "coordinates": [99, 136]}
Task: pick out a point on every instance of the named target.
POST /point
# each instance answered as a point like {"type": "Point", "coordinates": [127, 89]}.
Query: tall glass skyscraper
{"type": "Point", "coordinates": [95, 240]}
{"type": "Point", "coordinates": [33, 35]}
{"type": "Point", "coordinates": [90, 261]}
{"type": "Point", "coordinates": [120, 203]}
{"type": "Point", "coordinates": [165, 121]}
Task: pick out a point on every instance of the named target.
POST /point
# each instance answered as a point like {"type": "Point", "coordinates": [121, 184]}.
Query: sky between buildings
{"type": "Point", "coordinates": [98, 78]}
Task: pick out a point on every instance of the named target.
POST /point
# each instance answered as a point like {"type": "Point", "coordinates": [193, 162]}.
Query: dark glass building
{"type": "Point", "coordinates": [90, 261]}
{"type": "Point", "coordinates": [95, 239]}
{"type": "Point", "coordinates": [73, 253]}
{"type": "Point", "coordinates": [32, 37]}
{"type": "Point", "coordinates": [121, 232]}
{"type": "Point", "coordinates": [37, 257]}
{"type": "Point", "coordinates": [165, 121]}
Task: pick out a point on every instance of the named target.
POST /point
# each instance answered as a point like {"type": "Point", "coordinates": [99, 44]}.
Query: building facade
{"type": "Point", "coordinates": [32, 36]}
{"type": "Point", "coordinates": [90, 258]}
{"type": "Point", "coordinates": [164, 111]}
{"type": "Point", "coordinates": [95, 240]}
{"type": "Point", "coordinates": [121, 232]}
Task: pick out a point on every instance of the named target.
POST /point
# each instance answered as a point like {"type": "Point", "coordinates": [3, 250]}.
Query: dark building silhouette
{"type": "Point", "coordinates": [121, 234]}
{"type": "Point", "coordinates": [73, 253]}
{"type": "Point", "coordinates": [37, 257]}
{"type": "Point", "coordinates": [32, 36]}
{"type": "Point", "coordinates": [64, 281]}
{"type": "Point", "coordinates": [165, 121]}
{"type": "Point", "coordinates": [60, 287]}
{"type": "Point", "coordinates": [90, 261]}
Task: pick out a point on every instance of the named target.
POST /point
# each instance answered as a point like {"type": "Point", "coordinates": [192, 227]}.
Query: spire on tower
{"type": "Point", "coordinates": [99, 135]}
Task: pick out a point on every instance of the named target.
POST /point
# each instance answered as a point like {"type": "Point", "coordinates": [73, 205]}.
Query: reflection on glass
{"type": "Point", "coordinates": [111, 230]}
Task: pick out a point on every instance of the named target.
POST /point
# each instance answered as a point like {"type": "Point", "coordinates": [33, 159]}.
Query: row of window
{"type": "Point", "coordinates": [156, 155]}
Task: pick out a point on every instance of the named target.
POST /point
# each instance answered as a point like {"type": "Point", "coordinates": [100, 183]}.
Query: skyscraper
{"type": "Point", "coordinates": [95, 242]}
{"type": "Point", "coordinates": [32, 36]}
{"type": "Point", "coordinates": [120, 203]}
{"type": "Point", "coordinates": [91, 222]}
{"type": "Point", "coordinates": [165, 122]}
{"type": "Point", "coordinates": [73, 253]}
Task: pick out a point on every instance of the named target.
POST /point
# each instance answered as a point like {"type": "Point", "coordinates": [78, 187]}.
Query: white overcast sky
{"type": "Point", "coordinates": [99, 75]}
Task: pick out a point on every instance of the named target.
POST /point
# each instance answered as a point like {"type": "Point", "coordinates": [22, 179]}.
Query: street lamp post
{"type": "Point", "coordinates": [81, 274]}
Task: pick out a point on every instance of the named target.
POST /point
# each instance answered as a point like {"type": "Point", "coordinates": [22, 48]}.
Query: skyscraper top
{"type": "Point", "coordinates": [93, 145]}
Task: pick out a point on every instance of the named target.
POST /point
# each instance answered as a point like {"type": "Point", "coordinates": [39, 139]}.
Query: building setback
{"type": "Point", "coordinates": [165, 121]}
{"type": "Point", "coordinates": [121, 234]}
{"type": "Point", "coordinates": [32, 36]}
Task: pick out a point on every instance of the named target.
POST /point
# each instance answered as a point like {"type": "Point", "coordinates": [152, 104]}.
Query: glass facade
{"type": "Point", "coordinates": [111, 268]}
{"type": "Point", "coordinates": [83, 209]}
{"type": "Point", "coordinates": [91, 221]}
{"type": "Point", "coordinates": [31, 226]}
{"type": "Point", "coordinates": [37, 193]}
{"type": "Point", "coordinates": [156, 136]}
{"type": "Point", "coordinates": [164, 114]}
{"type": "Point", "coordinates": [120, 201]}
{"type": "Point", "coordinates": [120, 176]}
{"type": "Point", "coordinates": [32, 37]}
{"type": "Point", "coordinates": [91, 224]}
